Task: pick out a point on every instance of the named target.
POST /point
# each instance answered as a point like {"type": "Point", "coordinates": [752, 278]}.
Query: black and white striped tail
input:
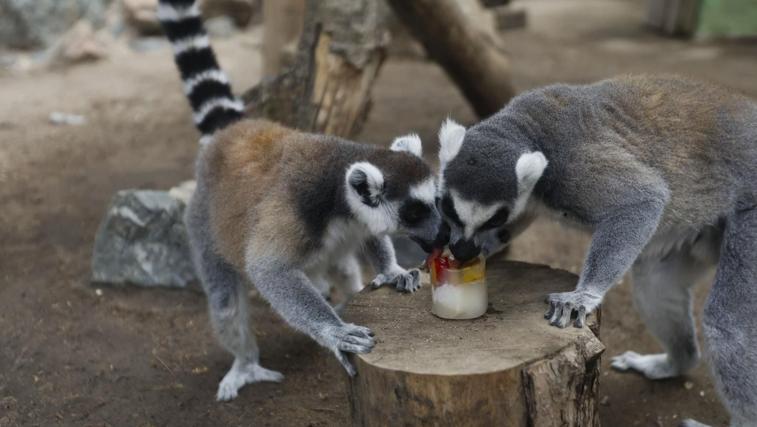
{"type": "Point", "coordinates": [205, 84]}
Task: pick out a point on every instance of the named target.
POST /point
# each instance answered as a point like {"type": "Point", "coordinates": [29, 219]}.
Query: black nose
{"type": "Point", "coordinates": [464, 250]}
{"type": "Point", "coordinates": [442, 236]}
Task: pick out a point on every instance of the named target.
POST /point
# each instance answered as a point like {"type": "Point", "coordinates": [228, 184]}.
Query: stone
{"type": "Point", "coordinates": [35, 24]}
{"type": "Point", "coordinates": [81, 44]}
{"type": "Point", "coordinates": [59, 118]}
{"type": "Point", "coordinates": [220, 27]}
{"type": "Point", "coordinates": [141, 15]}
{"type": "Point", "coordinates": [241, 11]}
{"type": "Point", "coordinates": [143, 241]}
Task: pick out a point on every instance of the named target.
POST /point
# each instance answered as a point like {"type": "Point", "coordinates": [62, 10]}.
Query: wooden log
{"type": "Point", "coordinates": [470, 56]}
{"type": "Point", "coordinates": [327, 90]}
{"type": "Point", "coordinates": [282, 26]}
{"type": "Point", "coordinates": [506, 368]}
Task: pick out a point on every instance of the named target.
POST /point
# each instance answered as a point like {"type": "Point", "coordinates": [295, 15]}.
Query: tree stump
{"type": "Point", "coordinates": [506, 368]}
{"type": "Point", "coordinates": [327, 89]}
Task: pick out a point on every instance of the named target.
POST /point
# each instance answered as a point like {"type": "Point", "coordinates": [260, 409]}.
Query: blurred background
{"type": "Point", "coordinates": [91, 103]}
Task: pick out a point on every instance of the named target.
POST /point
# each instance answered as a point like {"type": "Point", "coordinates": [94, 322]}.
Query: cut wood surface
{"type": "Point", "coordinates": [508, 367]}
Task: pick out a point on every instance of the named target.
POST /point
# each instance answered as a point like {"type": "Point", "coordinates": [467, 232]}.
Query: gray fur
{"type": "Point", "coordinates": [293, 280]}
{"type": "Point", "coordinates": [657, 168]}
{"type": "Point", "coordinates": [288, 211]}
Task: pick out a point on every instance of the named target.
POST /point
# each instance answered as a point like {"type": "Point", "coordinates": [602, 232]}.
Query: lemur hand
{"type": "Point", "coordinates": [563, 305]}
{"type": "Point", "coordinates": [403, 280]}
{"type": "Point", "coordinates": [346, 338]}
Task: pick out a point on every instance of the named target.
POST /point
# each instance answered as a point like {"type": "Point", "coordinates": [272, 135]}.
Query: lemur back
{"type": "Point", "coordinates": [287, 211]}
{"type": "Point", "coordinates": [703, 145]}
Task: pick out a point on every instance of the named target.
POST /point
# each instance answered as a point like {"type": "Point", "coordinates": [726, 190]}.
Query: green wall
{"type": "Point", "coordinates": [727, 18]}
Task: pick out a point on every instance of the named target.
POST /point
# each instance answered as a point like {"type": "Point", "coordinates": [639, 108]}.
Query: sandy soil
{"type": "Point", "coordinates": [71, 354]}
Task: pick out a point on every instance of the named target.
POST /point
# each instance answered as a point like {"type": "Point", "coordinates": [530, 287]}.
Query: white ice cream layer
{"type": "Point", "coordinates": [460, 301]}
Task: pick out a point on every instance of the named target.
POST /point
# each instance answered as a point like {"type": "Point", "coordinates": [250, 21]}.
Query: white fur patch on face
{"type": "Point", "coordinates": [377, 219]}
{"type": "Point", "coordinates": [472, 214]}
{"type": "Point", "coordinates": [425, 191]}
{"type": "Point", "coordinates": [410, 143]}
{"type": "Point", "coordinates": [451, 137]}
{"type": "Point", "coordinates": [528, 169]}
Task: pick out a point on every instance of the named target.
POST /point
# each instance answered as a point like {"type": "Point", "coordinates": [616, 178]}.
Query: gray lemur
{"type": "Point", "coordinates": [289, 211]}
{"type": "Point", "coordinates": [663, 171]}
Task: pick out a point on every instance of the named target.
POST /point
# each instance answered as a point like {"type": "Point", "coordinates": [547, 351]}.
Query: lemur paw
{"type": "Point", "coordinates": [403, 280]}
{"type": "Point", "coordinates": [564, 305]}
{"type": "Point", "coordinates": [692, 423]}
{"type": "Point", "coordinates": [652, 366]}
{"type": "Point", "coordinates": [347, 338]}
{"type": "Point", "coordinates": [239, 375]}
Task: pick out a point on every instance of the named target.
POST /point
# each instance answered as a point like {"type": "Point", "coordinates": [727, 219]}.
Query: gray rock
{"type": "Point", "coordinates": [220, 26]}
{"type": "Point", "coordinates": [142, 240]}
{"type": "Point", "coordinates": [32, 24]}
{"type": "Point", "coordinates": [149, 44]}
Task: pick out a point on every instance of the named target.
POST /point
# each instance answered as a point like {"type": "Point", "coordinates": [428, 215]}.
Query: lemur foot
{"type": "Point", "coordinates": [652, 366]}
{"type": "Point", "coordinates": [241, 374]}
{"type": "Point", "coordinates": [347, 338]}
{"type": "Point", "coordinates": [692, 423]}
{"type": "Point", "coordinates": [563, 305]}
{"type": "Point", "coordinates": [403, 280]}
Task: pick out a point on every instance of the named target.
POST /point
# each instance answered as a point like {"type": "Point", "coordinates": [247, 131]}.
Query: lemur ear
{"type": "Point", "coordinates": [529, 168]}
{"type": "Point", "coordinates": [410, 143]}
{"type": "Point", "coordinates": [451, 137]}
{"type": "Point", "coordinates": [366, 182]}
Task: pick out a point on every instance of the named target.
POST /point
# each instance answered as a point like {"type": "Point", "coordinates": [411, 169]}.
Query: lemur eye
{"type": "Point", "coordinates": [449, 211]}
{"type": "Point", "coordinates": [414, 212]}
{"type": "Point", "coordinates": [496, 220]}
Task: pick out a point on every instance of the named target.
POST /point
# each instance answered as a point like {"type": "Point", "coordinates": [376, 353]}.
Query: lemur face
{"type": "Point", "coordinates": [484, 187]}
{"type": "Point", "coordinates": [395, 193]}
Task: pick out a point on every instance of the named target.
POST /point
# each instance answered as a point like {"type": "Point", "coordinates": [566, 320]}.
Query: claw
{"type": "Point", "coordinates": [550, 310]}
{"type": "Point", "coordinates": [581, 318]}
{"type": "Point", "coordinates": [564, 319]}
{"type": "Point", "coordinates": [556, 314]}
{"type": "Point", "coordinates": [342, 358]}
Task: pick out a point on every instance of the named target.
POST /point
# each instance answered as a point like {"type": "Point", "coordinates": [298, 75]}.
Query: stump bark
{"type": "Point", "coordinates": [508, 367]}
{"type": "Point", "coordinates": [327, 89]}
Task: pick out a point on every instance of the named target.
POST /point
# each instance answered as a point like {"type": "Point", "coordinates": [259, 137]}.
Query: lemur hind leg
{"type": "Point", "coordinates": [348, 267]}
{"type": "Point", "coordinates": [348, 276]}
{"type": "Point", "coordinates": [228, 305]}
{"type": "Point", "coordinates": [662, 295]}
{"type": "Point", "coordinates": [228, 308]}
{"type": "Point", "coordinates": [730, 318]}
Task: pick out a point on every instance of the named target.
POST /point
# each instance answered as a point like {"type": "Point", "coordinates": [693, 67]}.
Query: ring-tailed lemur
{"type": "Point", "coordinates": [663, 170]}
{"type": "Point", "coordinates": [289, 211]}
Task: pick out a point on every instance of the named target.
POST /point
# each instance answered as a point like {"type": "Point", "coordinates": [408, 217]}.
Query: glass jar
{"type": "Point", "coordinates": [458, 291]}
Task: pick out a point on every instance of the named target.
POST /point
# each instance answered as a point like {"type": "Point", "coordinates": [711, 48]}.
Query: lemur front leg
{"type": "Point", "coordinates": [380, 251]}
{"type": "Point", "coordinates": [617, 241]}
{"type": "Point", "coordinates": [293, 297]}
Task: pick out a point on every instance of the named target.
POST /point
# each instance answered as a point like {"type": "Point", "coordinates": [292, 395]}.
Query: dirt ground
{"type": "Point", "coordinates": [72, 354]}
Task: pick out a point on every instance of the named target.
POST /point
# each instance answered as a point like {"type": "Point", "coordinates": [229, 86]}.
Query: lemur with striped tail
{"type": "Point", "coordinates": [663, 171]}
{"type": "Point", "coordinates": [289, 211]}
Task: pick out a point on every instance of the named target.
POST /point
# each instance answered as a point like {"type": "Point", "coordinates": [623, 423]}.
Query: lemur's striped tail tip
{"type": "Point", "coordinates": [205, 84]}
